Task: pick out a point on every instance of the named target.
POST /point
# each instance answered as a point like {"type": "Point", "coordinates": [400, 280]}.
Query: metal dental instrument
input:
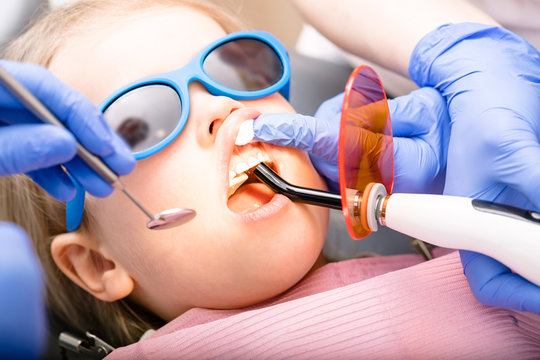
{"type": "Point", "coordinates": [366, 176]}
{"type": "Point", "coordinates": [163, 220]}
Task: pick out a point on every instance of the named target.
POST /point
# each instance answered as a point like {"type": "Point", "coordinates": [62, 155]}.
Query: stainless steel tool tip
{"type": "Point", "coordinates": [170, 218]}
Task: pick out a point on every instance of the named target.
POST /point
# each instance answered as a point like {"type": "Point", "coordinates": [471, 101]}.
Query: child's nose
{"type": "Point", "coordinates": [209, 111]}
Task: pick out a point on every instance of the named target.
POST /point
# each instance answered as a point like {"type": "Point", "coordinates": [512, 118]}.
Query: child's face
{"type": "Point", "coordinates": [223, 258]}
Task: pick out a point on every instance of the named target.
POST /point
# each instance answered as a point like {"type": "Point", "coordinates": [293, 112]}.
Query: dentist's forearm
{"type": "Point", "coordinates": [385, 31]}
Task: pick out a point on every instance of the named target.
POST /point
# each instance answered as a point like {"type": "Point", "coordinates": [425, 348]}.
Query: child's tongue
{"type": "Point", "coordinates": [250, 197]}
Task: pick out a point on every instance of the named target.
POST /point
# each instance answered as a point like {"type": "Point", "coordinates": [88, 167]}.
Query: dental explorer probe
{"type": "Point", "coordinates": [506, 233]}
{"type": "Point", "coordinates": [163, 220]}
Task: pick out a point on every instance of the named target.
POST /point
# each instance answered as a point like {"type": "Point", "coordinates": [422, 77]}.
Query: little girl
{"type": "Point", "coordinates": [246, 246]}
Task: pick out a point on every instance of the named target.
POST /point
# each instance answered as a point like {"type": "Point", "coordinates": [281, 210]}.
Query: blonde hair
{"type": "Point", "coordinates": [43, 217]}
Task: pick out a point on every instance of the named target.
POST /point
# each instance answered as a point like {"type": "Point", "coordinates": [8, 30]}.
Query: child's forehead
{"type": "Point", "coordinates": [138, 45]}
{"type": "Point", "coordinates": [160, 30]}
{"type": "Point", "coordinates": [156, 34]}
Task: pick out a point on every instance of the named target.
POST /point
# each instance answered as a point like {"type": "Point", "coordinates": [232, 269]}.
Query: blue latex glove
{"type": "Point", "coordinates": [490, 79]}
{"type": "Point", "coordinates": [22, 297]}
{"type": "Point", "coordinates": [419, 123]}
{"type": "Point", "coordinates": [31, 147]}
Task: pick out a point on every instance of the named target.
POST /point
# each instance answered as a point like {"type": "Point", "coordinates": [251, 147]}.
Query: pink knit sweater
{"type": "Point", "coordinates": [395, 307]}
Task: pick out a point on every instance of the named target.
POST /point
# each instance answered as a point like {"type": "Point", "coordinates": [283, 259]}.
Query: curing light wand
{"type": "Point", "coordinates": [508, 234]}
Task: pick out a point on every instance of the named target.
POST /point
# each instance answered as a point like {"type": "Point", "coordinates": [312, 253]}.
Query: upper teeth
{"type": "Point", "coordinates": [248, 158]}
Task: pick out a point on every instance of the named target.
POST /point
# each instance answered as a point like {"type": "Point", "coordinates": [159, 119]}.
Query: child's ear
{"type": "Point", "coordinates": [76, 256]}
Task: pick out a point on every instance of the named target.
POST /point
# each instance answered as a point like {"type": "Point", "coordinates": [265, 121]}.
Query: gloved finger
{"type": "Point", "coordinates": [29, 147]}
{"type": "Point", "coordinates": [419, 113]}
{"type": "Point", "coordinates": [331, 108]}
{"type": "Point", "coordinates": [306, 133]}
{"type": "Point", "coordinates": [17, 252]}
{"type": "Point", "coordinates": [420, 124]}
{"type": "Point", "coordinates": [492, 283]}
{"type": "Point", "coordinates": [417, 167]}
{"type": "Point", "coordinates": [504, 194]}
{"type": "Point", "coordinates": [328, 169]}
{"type": "Point", "coordinates": [87, 178]}
{"type": "Point", "coordinates": [9, 116]}
{"type": "Point", "coordinates": [22, 295]}
{"type": "Point", "coordinates": [520, 167]}
{"type": "Point", "coordinates": [329, 112]}
{"type": "Point", "coordinates": [55, 181]}
{"type": "Point", "coordinates": [121, 160]}
{"type": "Point", "coordinates": [83, 119]}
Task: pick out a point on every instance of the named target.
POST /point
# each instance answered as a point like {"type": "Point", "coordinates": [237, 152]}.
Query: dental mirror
{"type": "Point", "coordinates": [170, 218]}
{"type": "Point", "coordinates": [163, 220]}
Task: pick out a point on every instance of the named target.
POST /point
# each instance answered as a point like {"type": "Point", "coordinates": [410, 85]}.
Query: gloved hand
{"type": "Point", "coordinates": [22, 297]}
{"type": "Point", "coordinates": [37, 149]}
{"type": "Point", "coordinates": [490, 79]}
{"type": "Point", "coordinates": [419, 123]}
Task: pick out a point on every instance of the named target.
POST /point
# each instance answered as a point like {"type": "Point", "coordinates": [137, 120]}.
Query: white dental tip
{"type": "Point", "coordinates": [245, 133]}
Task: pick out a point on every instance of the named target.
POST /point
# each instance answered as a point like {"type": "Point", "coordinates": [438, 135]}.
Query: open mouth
{"type": "Point", "coordinates": [246, 193]}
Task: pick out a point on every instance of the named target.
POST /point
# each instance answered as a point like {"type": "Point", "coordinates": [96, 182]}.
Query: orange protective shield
{"type": "Point", "coordinates": [366, 153]}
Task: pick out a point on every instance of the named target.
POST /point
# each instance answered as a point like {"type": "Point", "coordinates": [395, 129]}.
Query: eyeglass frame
{"type": "Point", "coordinates": [179, 81]}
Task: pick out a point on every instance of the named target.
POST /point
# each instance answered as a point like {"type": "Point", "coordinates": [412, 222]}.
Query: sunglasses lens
{"type": "Point", "coordinates": [366, 153]}
{"type": "Point", "coordinates": [144, 116]}
{"type": "Point", "coordinates": [244, 65]}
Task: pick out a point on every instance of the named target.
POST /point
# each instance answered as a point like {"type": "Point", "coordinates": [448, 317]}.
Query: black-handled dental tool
{"type": "Point", "coordinates": [508, 234]}
{"type": "Point", "coordinates": [296, 193]}
{"type": "Point", "coordinates": [163, 220]}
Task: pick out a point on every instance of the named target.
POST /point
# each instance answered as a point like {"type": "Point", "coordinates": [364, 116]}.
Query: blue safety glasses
{"type": "Point", "coordinates": [151, 112]}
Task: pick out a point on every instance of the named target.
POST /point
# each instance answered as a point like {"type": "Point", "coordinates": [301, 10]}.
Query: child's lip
{"type": "Point", "coordinates": [275, 206]}
{"type": "Point", "coordinates": [225, 143]}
